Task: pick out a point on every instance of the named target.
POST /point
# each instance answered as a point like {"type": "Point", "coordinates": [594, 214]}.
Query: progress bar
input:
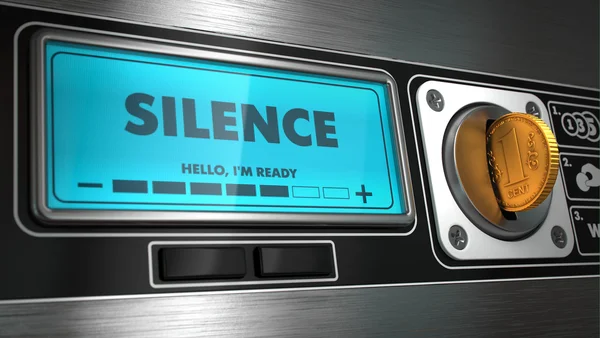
{"type": "Point", "coordinates": [216, 189]}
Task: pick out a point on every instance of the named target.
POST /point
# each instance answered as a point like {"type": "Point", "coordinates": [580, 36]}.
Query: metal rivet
{"type": "Point", "coordinates": [559, 236]}
{"type": "Point", "coordinates": [458, 237]}
{"type": "Point", "coordinates": [532, 109]}
{"type": "Point", "coordinates": [435, 100]}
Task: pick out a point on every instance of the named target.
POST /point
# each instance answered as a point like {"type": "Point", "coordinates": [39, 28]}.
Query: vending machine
{"type": "Point", "coordinates": [217, 168]}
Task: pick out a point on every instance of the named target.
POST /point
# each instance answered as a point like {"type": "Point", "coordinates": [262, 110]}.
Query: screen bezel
{"type": "Point", "coordinates": [38, 114]}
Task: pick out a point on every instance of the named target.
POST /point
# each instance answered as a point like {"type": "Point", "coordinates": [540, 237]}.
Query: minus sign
{"type": "Point", "coordinates": [89, 185]}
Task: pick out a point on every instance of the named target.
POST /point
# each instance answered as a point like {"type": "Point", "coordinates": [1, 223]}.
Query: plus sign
{"type": "Point", "coordinates": [363, 193]}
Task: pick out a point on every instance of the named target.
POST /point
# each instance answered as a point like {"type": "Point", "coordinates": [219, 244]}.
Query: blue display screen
{"type": "Point", "coordinates": [129, 130]}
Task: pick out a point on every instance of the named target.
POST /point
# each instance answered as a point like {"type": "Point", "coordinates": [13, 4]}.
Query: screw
{"type": "Point", "coordinates": [532, 109]}
{"type": "Point", "coordinates": [559, 236]}
{"type": "Point", "coordinates": [435, 100]}
{"type": "Point", "coordinates": [458, 237]}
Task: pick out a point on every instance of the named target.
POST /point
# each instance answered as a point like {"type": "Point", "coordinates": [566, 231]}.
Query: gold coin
{"type": "Point", "coordinates": [522, 159]}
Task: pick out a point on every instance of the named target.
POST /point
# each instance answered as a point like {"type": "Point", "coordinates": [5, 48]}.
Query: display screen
{"type": "Point", "coordinates": [144, 131]}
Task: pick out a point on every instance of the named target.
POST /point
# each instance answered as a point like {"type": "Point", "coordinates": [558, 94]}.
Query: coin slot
{"type": "Point", "coordinates": [466, 168]}
{"type": "Point", "coordinates": [509, 215]}
{"type": "Point", "coordinates": [489, 123]}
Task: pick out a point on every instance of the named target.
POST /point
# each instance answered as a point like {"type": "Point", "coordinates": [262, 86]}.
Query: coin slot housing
{"type": "Point", "coordinates": [451, 205]}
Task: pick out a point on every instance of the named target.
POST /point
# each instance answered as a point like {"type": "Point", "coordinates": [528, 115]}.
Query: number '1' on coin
{"type": "Point", "coordinates": [522, 156]}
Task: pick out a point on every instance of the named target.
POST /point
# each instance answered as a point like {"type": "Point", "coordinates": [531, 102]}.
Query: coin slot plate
{"type": "Point", "coordinates": [481, 245]}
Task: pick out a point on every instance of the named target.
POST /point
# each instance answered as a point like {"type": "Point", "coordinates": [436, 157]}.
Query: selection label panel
{"type": "Point", "coordinates": [586, 221]}
{"type": "Point", "coordinates": [575, 126]}
{"type": "Point", "coordinates": [132, 130]}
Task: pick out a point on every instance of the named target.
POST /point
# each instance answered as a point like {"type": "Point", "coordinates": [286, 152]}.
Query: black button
{"type": "Point", "coordinates": [202, 263]}
{"type": "Point", "coordinates": [295, 261]}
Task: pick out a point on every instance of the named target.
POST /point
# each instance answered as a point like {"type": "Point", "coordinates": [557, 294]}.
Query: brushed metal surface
{"type": "Point", "coordinates": [538, 39]}
{"type": "Point", "coordinates": [558, 308]}
{"type": "Point", "coordinates": [546, 40]}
